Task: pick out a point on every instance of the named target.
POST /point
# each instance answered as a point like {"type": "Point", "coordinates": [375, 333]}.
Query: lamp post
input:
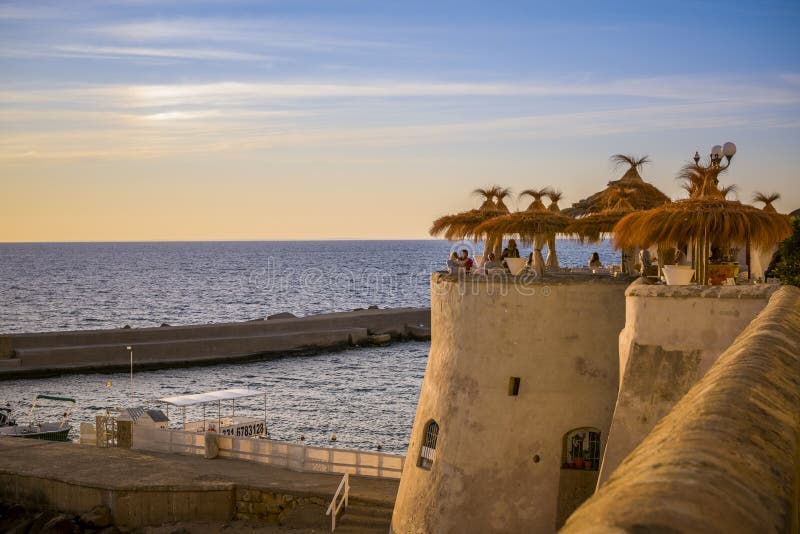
{"type": "Point", "coordinates": [702, 247]}
{"type": "Point", "coordinates": [131, 351]}
{"type": "Point", "coordinates": [728, 150]}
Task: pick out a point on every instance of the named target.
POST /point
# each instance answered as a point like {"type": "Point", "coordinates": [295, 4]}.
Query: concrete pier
{"type": "Point", "coordinates": [46, 353]}
{"type": "Point", "coordinates": [144, 488]}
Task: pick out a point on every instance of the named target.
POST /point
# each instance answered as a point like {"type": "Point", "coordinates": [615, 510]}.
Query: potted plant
{"type": "Point", "coordinates": [577, 451]}
{"type": "Point", "coordinates": [721, 266]}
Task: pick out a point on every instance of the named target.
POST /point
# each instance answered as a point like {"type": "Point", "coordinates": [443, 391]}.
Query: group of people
{"type": "Point", "coordinates": [462, 262]}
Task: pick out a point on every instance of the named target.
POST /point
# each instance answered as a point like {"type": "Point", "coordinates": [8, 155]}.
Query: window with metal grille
{"type": "Point", "coordinates": [581, 449]}
{"type": "Point", "coordinates": [428, 451]}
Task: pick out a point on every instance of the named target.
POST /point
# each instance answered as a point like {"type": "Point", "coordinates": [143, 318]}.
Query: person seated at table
{"type": "Point", "coordinates": [594, 261]}
{"type": "Point", "coordinates": [466, 261]}
{"type": "Point", "coordinates": [453, 263]}
{"type": "Point", "coordinates": [492, 263]}
{"type": "Point", "coordinates": [511, 251]}
{"type": "Point", "coordinates": [529, 261]}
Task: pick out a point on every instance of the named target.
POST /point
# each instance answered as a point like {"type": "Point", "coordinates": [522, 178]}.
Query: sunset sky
{"type": "Point", "coordinates": [176, 120]}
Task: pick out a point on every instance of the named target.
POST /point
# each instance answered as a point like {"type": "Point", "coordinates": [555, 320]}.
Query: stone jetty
{"type": "Point", "coordinates": [47, 353]}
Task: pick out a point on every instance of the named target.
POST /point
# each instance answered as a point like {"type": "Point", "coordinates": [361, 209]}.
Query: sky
{"type": "Point", "coordinates": [355, 119]}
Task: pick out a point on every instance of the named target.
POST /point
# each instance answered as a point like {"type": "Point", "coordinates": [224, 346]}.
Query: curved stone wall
{"type": "Point", "coordinates": [498, 457]}
{"type": "Point", "coordinates": [672, 337]}
{"type": "Point", "coordinates": [726, 459]}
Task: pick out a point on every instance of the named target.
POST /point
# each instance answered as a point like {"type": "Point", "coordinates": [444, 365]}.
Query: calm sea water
{"type": "Point", "coordinates": [367, 397]}
{"type": "Point", "coordinates": [66, 286]}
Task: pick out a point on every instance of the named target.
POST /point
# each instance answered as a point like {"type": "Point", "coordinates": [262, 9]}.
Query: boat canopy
{"type": "Point", "coordinates": [50, 397]}
{"type": "Point", "coordinates": [211, 396]}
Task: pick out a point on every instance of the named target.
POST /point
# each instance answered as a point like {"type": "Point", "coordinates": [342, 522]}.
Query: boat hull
{"type": "Point", "coordinates": [47, 435]}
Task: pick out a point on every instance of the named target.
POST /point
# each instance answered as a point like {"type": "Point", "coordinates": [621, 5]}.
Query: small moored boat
{"type": "Point", "coordinates": [57, 431]}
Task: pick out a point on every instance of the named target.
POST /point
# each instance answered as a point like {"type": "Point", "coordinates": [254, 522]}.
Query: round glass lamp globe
{"type": "Point", "coordinates": [716, 150]}
{"type": "Point", "coordinates": [729, 149]}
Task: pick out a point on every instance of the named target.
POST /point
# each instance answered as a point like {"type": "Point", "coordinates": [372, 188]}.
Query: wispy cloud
{"type": "Point", "coordinates": [216, 131]}
{"type": "Point", "coordinates": [677, 89]}
{"type": "Point", "coordinates": [272, 33]}
{"type": "Point", "coordinates": [117, 52]}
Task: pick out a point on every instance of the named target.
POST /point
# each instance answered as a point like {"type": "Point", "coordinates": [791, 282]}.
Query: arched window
{"type": "Point", "coordinates": [581, 449]}
{"type": "Point", "coordinates": [428, 451]}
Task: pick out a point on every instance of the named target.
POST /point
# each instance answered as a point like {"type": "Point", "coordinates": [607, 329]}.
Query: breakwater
{"type": "Point", "coordinates": [47, 353]}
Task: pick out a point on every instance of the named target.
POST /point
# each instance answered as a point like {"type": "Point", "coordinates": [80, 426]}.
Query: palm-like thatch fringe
{"type": "Point", "coordinates": [718, 220]}
{"type": "Point", "coordinates": [500, 194]}
{"type": "Point", "coordinates": [535, 220]}
{"type": "Point", "coordinates": [555, 196]}
{"type": "Point", "coordinates": [592, 227]}
{"type": "Point", "coordinates": [767, 200]}
{"type": "Point", "coordinates": [646, 195]}
{"type": "Point", "coordinates": [701, 180]}
{"type": "Point", "coordinates": [460, 225]}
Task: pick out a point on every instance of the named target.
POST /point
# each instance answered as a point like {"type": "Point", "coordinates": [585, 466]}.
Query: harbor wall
{"type": "Point", "coordinates": [75, 351]}
{"type": "Point", "coordinates": [672, 337]}
{"type": "Point", "coordinates": [499, 457]}
{"type": "Point", "coordinates": [726, 459]}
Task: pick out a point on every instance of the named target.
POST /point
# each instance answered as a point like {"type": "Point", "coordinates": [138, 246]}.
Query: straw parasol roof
{"type": "Point", "coordinates": [706, 218]}
{"type": "Point", "coordinates": [722, 221]}
{"type": "Point", "coordinates": [593, 226]}
{"type": "Point", "coordinates": [537, 219]}
{"type": "Point", "coordinates": [461, 225]}
{"type": "Point", "coordinates": [645, 195]}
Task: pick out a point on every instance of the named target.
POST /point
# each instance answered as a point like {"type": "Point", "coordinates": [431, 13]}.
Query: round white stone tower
{"type": "Point", "coordinates": [521, 377]}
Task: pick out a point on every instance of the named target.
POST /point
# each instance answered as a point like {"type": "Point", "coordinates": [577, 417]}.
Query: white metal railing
{"type": "Point", "coordinates": [333, 508]}
{"type": "Point", "coordinates": [273, 452]}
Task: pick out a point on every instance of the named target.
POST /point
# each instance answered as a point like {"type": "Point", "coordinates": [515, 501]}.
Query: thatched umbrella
{"type": "Point", "coordinates": [462, 225]}
{"type": "Point", "coordinates": [551, 263]}
{"type": "Point", "coordinates": [645, 195]}
{"type": "Point", "coordinates": [495, 243]}
{"type": "Point", "coordinates": [532, 225]}
{"type": "Point", "coordinates": [705, 218]}
{"type": "Point", "coordinates": [760, 258]}
{"type": "Point", "coordinates": [592, 227]}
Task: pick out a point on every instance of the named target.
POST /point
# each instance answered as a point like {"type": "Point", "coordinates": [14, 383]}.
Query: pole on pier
{"type": "Point", "coordinates": [131, 351]}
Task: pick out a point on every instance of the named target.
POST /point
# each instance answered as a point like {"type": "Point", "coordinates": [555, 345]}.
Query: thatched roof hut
{"type": "Point", "coordinates": [461, 225]}
{"type": "Point", "coordinates": [592, 227]}
{"type": "Point", "coordinates": [706, 218]}
{"type": "Point", "coordinates": [645, 195]}
{"type": "Point", "coordinates": [537, 219]}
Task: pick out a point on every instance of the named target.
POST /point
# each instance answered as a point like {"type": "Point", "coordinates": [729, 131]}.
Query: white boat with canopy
{"type": "Point", "coordinates": [232, 425]}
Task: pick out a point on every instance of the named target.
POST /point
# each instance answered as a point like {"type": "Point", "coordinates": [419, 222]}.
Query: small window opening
{"type": "Point", "coordinates": [513, 386]}
{"type": "Point", "coordinates": [581, 449]}
{"type": "Point", "coordinates": [428, 451]}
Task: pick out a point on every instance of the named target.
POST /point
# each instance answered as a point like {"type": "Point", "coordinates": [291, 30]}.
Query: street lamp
{"type": "Point", "coordinates": [717, 152]}
{"type": "Point", "coordinates": [129, 348]}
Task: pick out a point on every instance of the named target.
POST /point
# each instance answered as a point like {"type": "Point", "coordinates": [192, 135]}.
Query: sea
{"type": "Point", "coordinates": [364, 397]}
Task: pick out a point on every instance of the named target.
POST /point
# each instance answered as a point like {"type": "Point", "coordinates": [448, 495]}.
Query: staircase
{"type": "Point", "coordinates": [362, 517]}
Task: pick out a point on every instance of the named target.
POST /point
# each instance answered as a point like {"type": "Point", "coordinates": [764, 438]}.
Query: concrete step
{"type": "Point", "coordinates": [369, 510]}
{"type": "Point", "coordinates": [355, 529]}
{"type": "Point", "coordinates": [365, 518]}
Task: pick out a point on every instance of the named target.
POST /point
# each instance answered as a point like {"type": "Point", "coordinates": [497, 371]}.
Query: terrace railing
{"type": "Point", "coordinates": [273, 452]}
